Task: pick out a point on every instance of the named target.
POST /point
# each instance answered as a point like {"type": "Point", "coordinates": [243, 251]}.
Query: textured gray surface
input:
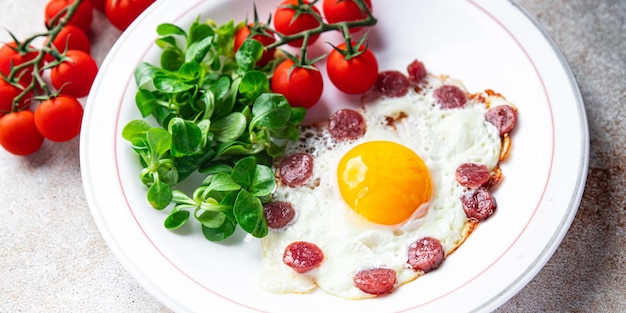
{"type": "Point", "coordinates": [588, 271]}
{"type": "Point", "coordinates": [53, 259]}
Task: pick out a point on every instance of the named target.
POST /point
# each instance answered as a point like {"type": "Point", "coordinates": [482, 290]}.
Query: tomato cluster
{"type": "Point", "coordinates": [40, 87]}
{"type": "Point", "coordinates": [351, 66]}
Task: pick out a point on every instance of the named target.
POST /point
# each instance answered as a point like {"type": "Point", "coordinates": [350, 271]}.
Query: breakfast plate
{"type": "Point", "coordinates": [486, 44]}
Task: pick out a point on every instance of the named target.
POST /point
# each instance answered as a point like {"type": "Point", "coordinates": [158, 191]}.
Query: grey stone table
{"type": "Point", "coordinates": [53, 258]}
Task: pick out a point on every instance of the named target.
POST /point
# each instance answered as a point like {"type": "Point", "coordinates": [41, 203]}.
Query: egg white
{"type": "Point", "coordinates": [444, 139]}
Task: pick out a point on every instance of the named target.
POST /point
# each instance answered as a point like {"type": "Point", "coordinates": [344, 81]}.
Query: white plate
{"type": "Point", "coordinates": [486, 44]}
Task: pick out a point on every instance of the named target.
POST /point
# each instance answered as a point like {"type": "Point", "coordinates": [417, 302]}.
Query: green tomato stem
{"type": "Point", "coordinates": [52, 33]}
{"type": "Point", "coordinates": [370, 20]}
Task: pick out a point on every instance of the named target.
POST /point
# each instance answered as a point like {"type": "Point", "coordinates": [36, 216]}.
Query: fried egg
{"type": "Point", "coordinates": [370, 198]}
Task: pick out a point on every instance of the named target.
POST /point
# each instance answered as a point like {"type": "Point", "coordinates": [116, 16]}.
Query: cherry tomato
{"type": "Point", "coordinates": [58, 119]}
{"type": "Point", "coordinates": [336, 11]}
{"type": "Point", "coordinates": [18, 133]}
{"type": "Point", "coordinates": [71, 37]}
{"type": "Point", "coordinates": [97, 4]}
{"type": "Point", "coordinates": [353, 76]}
{"type": "Point", "coordinates": [303, 88]}
{"type": "Point", "coordinates": [121, 13]}
{"type": "Point", "coordinates": [82, 18]}
{"type": "Point", "coordinates": [7, 93]}
{"type": "Point", "coordinates": [9, 55]}
{"type": "Point", "coordinates": [244, 32]}
{"type": "Point", "coordinates": [75, 75]}
{"type": "Point", "coordinates": [285, 23]}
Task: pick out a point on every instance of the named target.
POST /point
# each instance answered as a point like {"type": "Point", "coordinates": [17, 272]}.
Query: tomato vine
{"type": "Point", "coordinates": [34, 65]}
{"type": "Point", "coordinates": [303, 7]}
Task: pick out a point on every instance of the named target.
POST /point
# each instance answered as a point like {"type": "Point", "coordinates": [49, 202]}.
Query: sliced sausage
{"type": "Point", "coordinates": [417, 71]}
{"type": "Point", "coordinates": [450, 97]}
{"type": "Point", "coordinates": [346, 124]}
{"type": "Point", "coordinates": [296, 169]}
{"type": "Point", "coordinates": [376, 281]}
{"type": "Point", "coordinates": [278, 214]}
{"type": "Point", "coordinates": [478, 204]}
{"type": "Point", "coordinates": [472, 175]}
{"type": "Point", "coordinates": [392, 84]}
{"type": "Point", "coordinates": [503, 117]}
{"type": "Point", "coordinates": [303, 256]}
{"type": "Point", "coordinates": [425, 254]}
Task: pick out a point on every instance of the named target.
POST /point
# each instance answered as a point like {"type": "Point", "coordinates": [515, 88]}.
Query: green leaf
{"type": "Point", "coordinates": [199, 31]}
{"type": "Point", "coordinates": [223, 182]}
{"type": "Point", "coordinates": [216, 168]}
{"type": "Point", "coordinates": [205, 128]}
{"type": "Point", "coordinates": [191, 71]}
{"type": "Point", "coordinates": [270, 110]}
{"type": "Point", "coordinates": [168, 84]}
{"type": "Point", "coordinates": [263, 181]}
{"type": "Point", "coordinates": [170, 29]}
{"type": "Point", "coordinates": [205, 193]}
{"type": "Point", "coordinates": [211, 219]}
{"type": "Point", "coordinates": [135, 129]}
{"type": "Point", "coordinates": [229, 199]}
{"type": "Point", "coordinates": [220, 87]}
{"type": "Point", "coordinates": [180, 197]}
{"type": "Point", "coordinates": [229, 127]}
{"type": "Point", "coordinates": [166, 169]}
{"type": "Point", "coordinates": [248, 54]}
{"type": "Point", "coordinates": [288, 132]}
{"type": "Point", "coordinates": [165, 42]}
{"type": "Point", "coordinates": [198, 50]}
{"type": "Point", "coordinates": [186, 137]}
{"type": "Point", "coordinates": [159, 195]}
{"type": "Point", "coordinates": [220, 233]}
{"type": "Point", "coordinates": [275, 150]}
{"type": "Point", "coordinates": [172, 58]}
{"type": "Point", "coordinates": [253, 84]}
{"type": "Point", "coordinates": [176, 219]}
{"type": "Point", "coordinates": [225, 38]}
{"type": "Point", "coordinates": [243, 172]}
{"type": "Point", "coordinates": [248, 211]}
{"type": "Point", "coordinates": [186, 165]}
{"type": "Point", "coordinates": [237, 148]}
{"type": "Point", "coordinates": [145, 72]}
{"type": "Point", "coordinates": [297, 115]}
{"type": "Point", "coordinates": [146, 102]}
{"type": "Point", "coordinates": [163, 115]}
{"type": "Point", "coordinates": [226, 93]}
{"type": "Point", "coordinates": [211, 213]}
{"type": "Point", "coordinates": [159, 141]}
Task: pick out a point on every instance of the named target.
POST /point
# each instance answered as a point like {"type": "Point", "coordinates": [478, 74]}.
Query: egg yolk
{"type": "Point", "coordinates": [383, 181]}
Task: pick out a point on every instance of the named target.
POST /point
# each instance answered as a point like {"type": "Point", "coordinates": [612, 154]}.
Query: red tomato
{"type": "Point", "coordinates": [9, 55]}
{"type": "Point", "coordinates": [123, 12]}
{"type": "Point", "coordinates": [82, 18]}
{"type": "Point", "coordinates": [18, 133]}
{"type": "Point", "coordinates": [353, 76]}
{"type": "Point", "coordinates": [71, 37]}
{"type": "Point", "coordinates": [7, 93]}
{"type": "Point", "coordinates": [59, 119]}
{"type": "Point", "coordinates": [285, 23]}
{"type": "Point", "coordinates": [244, 32]}
{"type": "Point", "coordinates": [75, 75]}
{"type": "Point", "coordinates": [97, 4]}
{"type": "Point", "coordinates": [336, 11]}
{"type": "Point", "coordinates": [303, 88]}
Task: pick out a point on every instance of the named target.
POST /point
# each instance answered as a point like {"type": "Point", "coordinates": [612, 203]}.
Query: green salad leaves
{"type": "Point", "coordinates": [209, 110]}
